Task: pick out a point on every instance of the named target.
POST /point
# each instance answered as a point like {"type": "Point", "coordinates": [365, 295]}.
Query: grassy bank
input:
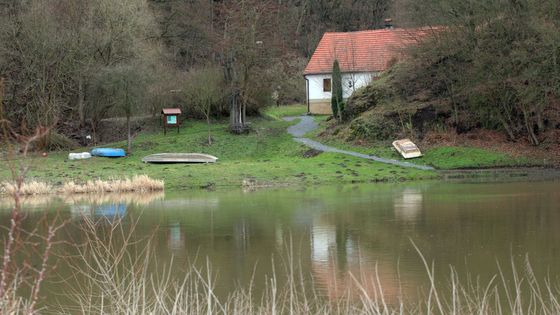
{"type": "Point", "coordinates": [442, 157]}
{"type": "Point", "coordinates": [266, 156]}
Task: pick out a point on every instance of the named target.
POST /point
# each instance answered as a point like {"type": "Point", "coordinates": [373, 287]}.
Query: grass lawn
{"type": "Point", "coordinates": [277, 112]}
{"type": "Point", "coordinates": [442, 157]}
{"type": "Point", "coordinates": [267, 155]}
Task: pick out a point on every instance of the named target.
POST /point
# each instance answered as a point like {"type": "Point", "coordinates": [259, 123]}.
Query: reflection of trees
{"type": "Point", "coordinates": [241, 235]}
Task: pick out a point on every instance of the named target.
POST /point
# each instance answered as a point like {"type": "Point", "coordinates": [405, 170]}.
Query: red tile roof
{"type": "Point", "coordinates": [363, 51]}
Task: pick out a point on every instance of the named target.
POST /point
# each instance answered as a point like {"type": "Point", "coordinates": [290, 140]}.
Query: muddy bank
{"type": "Point", "coordinates": [501, 174]}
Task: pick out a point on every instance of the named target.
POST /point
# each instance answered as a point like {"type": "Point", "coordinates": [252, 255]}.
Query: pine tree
{"type": "Point", "coordinates": [336, 100]}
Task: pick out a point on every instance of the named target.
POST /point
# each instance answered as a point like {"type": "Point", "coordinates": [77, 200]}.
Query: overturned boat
{"type": "Point", "coordinates": [180, 158]}
{"type": "Point", "coordinates": [108, 152]}
{"type": "Point", "coordinates": [407, 148]}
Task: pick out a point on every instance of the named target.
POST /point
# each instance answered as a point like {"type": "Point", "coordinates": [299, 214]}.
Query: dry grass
{"type": "Point", "coordinates": [139, 183]}
{"type": "Point", "coordinates": [28, 188]}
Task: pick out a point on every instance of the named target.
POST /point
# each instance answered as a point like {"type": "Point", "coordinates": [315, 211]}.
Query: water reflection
{"type": "Point", "coordinates": [342, 266]}
{"type": "Point", "coordinates": [110, 206]}
{"type": "Point", "coordinates": [344, 236]}
{"type": "Point", "coordinates": [129, 198]}
{"type": "Point", "coordinates": [40, 202]}
{"type": "Point", "coordinates": [408, 204]}
{"type": "Point", "coordinates": [175, 236]}
{"type": "Point", "coordinates": [110, 211]}
{"type": "Point", "coordinates": [211, 202]}
{"type": "Point", "coordinates": [241, 235]}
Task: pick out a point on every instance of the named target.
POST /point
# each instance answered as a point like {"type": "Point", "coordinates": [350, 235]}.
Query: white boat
{"type": "Point", "coordinates": [79, 156]}
{"type": "Point", "coordinates": [407, 148]}
{"type": "Point", "coordinates": [179, 158]}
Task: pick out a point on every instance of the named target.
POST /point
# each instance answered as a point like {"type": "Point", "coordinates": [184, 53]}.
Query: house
{"type": "Point", "coordinates": [362, 57]}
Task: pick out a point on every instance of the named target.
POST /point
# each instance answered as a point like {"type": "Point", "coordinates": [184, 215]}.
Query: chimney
{"type": "Point", "coordinates": [389, 24]}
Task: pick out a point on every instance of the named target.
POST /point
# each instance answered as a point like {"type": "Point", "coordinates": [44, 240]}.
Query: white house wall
{"type": "Point", "coordinates": [354, 81]}
{"type": "Point", "coordinates": [319, 101]}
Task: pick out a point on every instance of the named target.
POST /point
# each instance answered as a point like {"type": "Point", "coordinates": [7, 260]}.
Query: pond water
{"type": "Point", "coordinates": [334, 233]}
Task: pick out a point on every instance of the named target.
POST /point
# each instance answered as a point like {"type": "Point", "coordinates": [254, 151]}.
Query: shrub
{"type": "Point", "coordinates": [373, 127]}
{"type": "Point", "coordinates": [361, 100]}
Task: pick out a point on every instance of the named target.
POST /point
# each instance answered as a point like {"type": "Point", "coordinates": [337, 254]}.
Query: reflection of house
{"type": "Point", "coordinates": [408, 205]}
{"type": "Point", "coordinates": [342, 269]}
{"type": "Point", "coordinates": [362, 57]}
{"type": "Point", "coordinates": [323, 242]}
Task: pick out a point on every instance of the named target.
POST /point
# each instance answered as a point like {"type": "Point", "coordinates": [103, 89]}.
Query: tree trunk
{"type": "Point", "coordinates": [129, 136]}
{"type": "Point", "coordinates": [81, 102]}
{"type": "Point", "coordinates": [208, 124]}
{"type": "Point", "coordinates": [529, 127]}
{"type": "Point", "coordinates": [128, 112]}
{"type": "Point", "coordinates": [93, 129]}
{"type": "Point", "coordinates": [237, 114]}
{"type": "Point", "coordinates": [243, 114]}
{"type": "Point", "coordinates": [540, 120]}
{"type": "Point", "coordinates": [508, 129]}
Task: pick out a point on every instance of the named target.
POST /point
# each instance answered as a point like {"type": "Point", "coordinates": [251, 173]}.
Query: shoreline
{"type": "Point", "coordinates": [496, 174]}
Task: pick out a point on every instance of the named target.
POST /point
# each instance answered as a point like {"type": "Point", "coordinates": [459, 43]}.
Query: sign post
{"type": "Point", "coordinates": [171, 118]}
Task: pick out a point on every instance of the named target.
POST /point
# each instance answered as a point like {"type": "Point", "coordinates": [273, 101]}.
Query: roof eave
{"type": "Point", "coordinates": [343, 72]}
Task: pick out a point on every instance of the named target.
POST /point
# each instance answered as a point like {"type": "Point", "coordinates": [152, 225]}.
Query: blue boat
{"type": "Point", "coordinates": [108, 152]}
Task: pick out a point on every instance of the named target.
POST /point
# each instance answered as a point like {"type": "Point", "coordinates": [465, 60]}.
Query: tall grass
{"type": "Point", "coordinates": [138, 183]}
{"type": "Point", "coordinates": [123, 276]}
{"type": "Point", "coordinates": [27, 188]}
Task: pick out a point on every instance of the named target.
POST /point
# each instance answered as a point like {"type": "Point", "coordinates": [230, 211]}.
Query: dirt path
{"type": "Point", "coordinates": [307, 124]}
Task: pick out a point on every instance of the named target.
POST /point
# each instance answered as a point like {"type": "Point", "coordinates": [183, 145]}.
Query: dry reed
{"type": "Point", "coordinates": [139, 183]}
{"type": "Point", "coordinates": [27, 188]}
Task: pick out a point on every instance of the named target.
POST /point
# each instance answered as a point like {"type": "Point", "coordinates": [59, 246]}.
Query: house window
{"type": "Point", "coordinates": [326, 85]}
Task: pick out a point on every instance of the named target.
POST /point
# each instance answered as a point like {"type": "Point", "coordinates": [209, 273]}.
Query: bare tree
{"type": "Point", "coordinates": [205, 90]}
{"type": "Point", "coordinates": [245, 53]}
{"type": "Point", "coordinates": [126, 86]}
{"type": "Point", "coordinates": [16, 274]}
{"type": "Point", "coordinates": [55, 49]}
